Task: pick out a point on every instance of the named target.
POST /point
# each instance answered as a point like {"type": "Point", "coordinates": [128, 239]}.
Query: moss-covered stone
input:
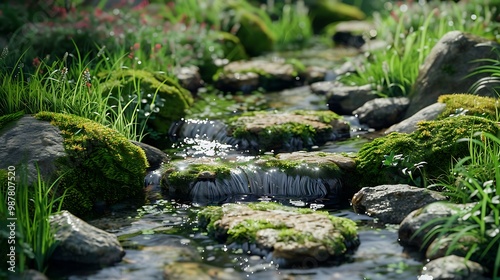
{"type": "Point", "coordinates": [253, 32]}
{"type": "Point", "coordinates": [324, 12]}
{"type": "Point", "coordinates": [288, 232]}
{"type": "Point", "coordinates": [170, 101]}
{"type": "Point", "coordinates": [101, 165]}
{"type": "Point", "coordinates": [272, 131]}
{"type": "Point", "coordinates": [469, 104]}
{"type": "Point", "coordinates": [434, 142]}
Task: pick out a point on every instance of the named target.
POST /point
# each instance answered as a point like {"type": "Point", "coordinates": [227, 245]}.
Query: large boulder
{"type": "Point", "coordinates": [83, 152]}
{"type": "Point", "coordinates": [453, 267]}
{"type": "Point", "coordinates": [287, 233]}
{"type": "Point", "coordinates": [446, 69]}
{"type": "Point", "coordinates": [79, 242]}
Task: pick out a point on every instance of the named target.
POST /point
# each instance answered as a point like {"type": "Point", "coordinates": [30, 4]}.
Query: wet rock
{"type": "Point", "coordinates": [197, 271]}
{"type": "Point", "coordinates": [20, 146]}
{"type": "Point", "coordinates": [155, 156]}
{"type": "Point", "coordinates": [411, 232]}
{"type": "Point", "coordinates": [287, 131]}
{"type": "Point", "coordinates": [285, 232]}
{"type": "Point", "coordinates": [409, 125]}
{"type": "Point", "coordinates": [189, 78]}
{"type": "Point", "coordinates": [446, 68]}
{"type": "Point", "coordinates": [392, 203]}
{"type": "Point", "coordinates": [382, 112]}
{"type": "Point", "coordinates": [345, 99]}
{"type": "Point", "coordinates": [319, 158]}
{"type": "Point", "coordinates": [453, 267]}
{"type": "Point", "coordinates": [249, 75]}
{"type": "Point", "coordinates": [82, 243]}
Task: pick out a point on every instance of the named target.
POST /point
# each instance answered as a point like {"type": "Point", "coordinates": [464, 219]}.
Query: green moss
{"type": "Point", "coordinates": [469, 104]}
{"type": "Point", "coordinates": [246, 231]}
{"type": "Point", "coordinates": [324, 12]}
{"type": "Point", "coordinates": [208, 216]}
{"type": "Point", "coordinates": [181, 179]}
{"type": "Point", "coordinates": [101, 165]}
{"type": "Point", "coordinates": [434, 142]}
{"type": "Point", "coordinates": [268, 206]}
{"type": "Point", "coordinates": [6, 119]}
{"type": "Point", "coordinates": [273, 136]}
{"type": "Point", "coordinates": [171, 99]}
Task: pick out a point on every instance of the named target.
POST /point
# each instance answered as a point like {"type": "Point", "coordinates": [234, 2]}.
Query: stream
{"type": "Point", "coordinates": [166, 232]}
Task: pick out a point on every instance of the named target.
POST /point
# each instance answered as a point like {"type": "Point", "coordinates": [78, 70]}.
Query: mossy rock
{"type": "Point", "coordinates": [469, 104]}
{"type": "Point", "coordinates": [289, 233]}
{"type": "Point", "coordinates": [170, 100]}
{"type": "Point", "coordinates": [325, 12]}
{"type": "Point", "coordinates": [434, 142]}
{"type": "Point", "coordinates": [253, 31]}
{"type": "Point", "coordinates": [101, 165]}
{"type": "Point", "coordinates": [289, 131]}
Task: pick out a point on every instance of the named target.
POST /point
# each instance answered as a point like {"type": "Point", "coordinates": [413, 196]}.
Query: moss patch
{"type": "Point", "coordinates": [6, 119]}
{"type": "Point", "coordinates": [469, 104]}
{"type": "Point", "coordinates": [101, 166]}
{"type": "Point", "coordinates": [434, 142]}
{"type": "Point", "coordinates": [170, 100]}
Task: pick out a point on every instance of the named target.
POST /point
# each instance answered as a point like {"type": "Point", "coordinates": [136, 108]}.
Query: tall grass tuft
{"type": "Point", "coordinates": [475, 179]}
{"type": "Point", "coordinates": [36, 203]}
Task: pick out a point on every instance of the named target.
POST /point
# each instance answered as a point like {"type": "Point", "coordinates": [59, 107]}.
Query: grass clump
{"type": "Point", "coordinates": [474, 178]}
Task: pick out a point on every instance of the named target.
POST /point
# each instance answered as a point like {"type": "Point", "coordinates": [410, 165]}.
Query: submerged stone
{"type": "Point", "coordinates": [288, 233]}
{"type": "Point", "coordinates": [197, 271]}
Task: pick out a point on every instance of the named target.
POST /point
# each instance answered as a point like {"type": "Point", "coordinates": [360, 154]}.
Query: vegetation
{"type": "Point", "coordinates": [34, 204]}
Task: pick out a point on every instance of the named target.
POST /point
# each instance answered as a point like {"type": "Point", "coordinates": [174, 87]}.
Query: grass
{"type": "Point", "coordinates": [474, 232]}
{"type": "Point", "coordinates": [34, 204]}
{"type": "Point", "coordinates": [412, 34]}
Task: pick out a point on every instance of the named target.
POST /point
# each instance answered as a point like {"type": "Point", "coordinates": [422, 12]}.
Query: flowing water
{"type": "Point", "coordinates": [166, 231]}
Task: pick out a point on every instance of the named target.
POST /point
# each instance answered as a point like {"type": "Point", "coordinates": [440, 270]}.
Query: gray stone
{"type": "Point", "coordinates": [453, 268]}
{"type": "Point", "coordinates": [345, 99]}
{"type": "Point", "coordinates": [446, 68]}
{"type": "Point", "coordinates": [392, 203]}
{"type": "Point", "coordinates": [80, 242]}
{"type": "Point", "coordinates": [155, 156]}
{"type": "Point", "coordinates": [29, 274]}
{"type": "Point", "coordinates": [411, 232]}
{"type": "Point", "coordinates": [382, 112]}
{"type": "Point", "coordinates": [189, 78]}
{"type": "Point", "coordinates": [409, 125]}
{"type": "Point", "coordinates": [32, 142]}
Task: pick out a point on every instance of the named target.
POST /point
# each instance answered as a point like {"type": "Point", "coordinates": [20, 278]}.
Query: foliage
{"type": "Point", "coordinates": [474, 178]}
{"type": "Point", "coordinates": [34, 204]}
{"type": "Point", "coordinates": [405, 171]}
{"type": "Point", "coordinates": [412, 30]}
{"type": "Point", "coordinates": [469, 104]}
{"type": "Point", "coordinates": [491, 67]}
{"type": "Point", "coordinates": [434, 142]}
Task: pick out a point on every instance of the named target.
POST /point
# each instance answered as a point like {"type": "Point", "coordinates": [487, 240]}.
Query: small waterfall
{"type": "Point", "coordinates": [258, 182]}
